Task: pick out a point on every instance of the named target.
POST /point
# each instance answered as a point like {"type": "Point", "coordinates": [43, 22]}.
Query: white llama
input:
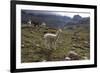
{"type": "Point", "coordinates": [43, 24]}
{"type": "Point", "coordinates": [29, 22]}
{"type": "Point", "coordinates": [51, 39]}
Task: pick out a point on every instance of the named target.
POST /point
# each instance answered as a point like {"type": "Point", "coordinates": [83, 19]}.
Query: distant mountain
{"type": "Point", "coordinates": [77, 17]}
{"type": "Point", "coordinates": [53, 20]}
{"type": "Point", "coordinates": [85, 20]}
{"type": "Point", "coordinates": [77, 20]}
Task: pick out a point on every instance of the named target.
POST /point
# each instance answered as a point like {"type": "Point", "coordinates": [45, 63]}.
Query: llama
{"type": "Point", "coordinates": [43, 24]}
{"type": "Point", "coordinates": [30, 22]}
{"type": "Point", "coordinates": [34, 23]}
{"type": "Point", "coordinates": [51, 39]}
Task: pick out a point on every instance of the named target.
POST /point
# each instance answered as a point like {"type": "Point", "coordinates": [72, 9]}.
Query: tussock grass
{"type": "Point", "coordinates": [33, 49]}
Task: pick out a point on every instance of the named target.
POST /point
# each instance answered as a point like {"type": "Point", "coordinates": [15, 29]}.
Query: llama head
{"type": "Point", "coordinates": [60, 30]}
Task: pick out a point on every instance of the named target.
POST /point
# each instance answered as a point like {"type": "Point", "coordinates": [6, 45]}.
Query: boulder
{"type": "Point", "coordinates": [73, 55]}
{"type": "Point", "coordinates": [67, 58]}
{"type": "Point", "coordinates": [85, 58]}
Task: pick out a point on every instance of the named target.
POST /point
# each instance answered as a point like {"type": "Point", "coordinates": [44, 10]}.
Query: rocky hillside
{"type": "Point", "coordinates": [73, 44]}
{"type": "Point", "coordinates": [52, 20]}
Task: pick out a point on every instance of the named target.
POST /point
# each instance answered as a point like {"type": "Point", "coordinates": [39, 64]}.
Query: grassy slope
{"type": "Point", "coordinates": [33, 49]}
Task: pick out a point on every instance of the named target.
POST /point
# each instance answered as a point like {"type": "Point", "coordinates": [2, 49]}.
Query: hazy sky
{"type": "Point", "coordinates": [72, 14]}
{"type": "Point", "coordinates": [63, 13]}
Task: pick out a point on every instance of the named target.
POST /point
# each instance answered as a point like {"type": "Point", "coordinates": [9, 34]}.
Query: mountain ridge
{"type": "Point", "coordinates": [52, 20]}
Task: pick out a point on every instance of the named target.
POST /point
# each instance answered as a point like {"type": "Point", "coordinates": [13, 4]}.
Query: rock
{"type": "Point", "coordinates": [73, 45]}
{"type": "Point", "coordinates": [44, 61]}
{"type": "Point", "coordinates": [85, 58]}
{"type": "Point", "coordinates": [86, 42]}
{"type": "Point", "coordinates": [67, 58]}
{"type": "Point", "coordinates": [37, 45]}
{"type": "Point", "coordinates": [73, 55]}
{"type": "Point", "coordinates": [22, 45]}
{"type": "Point", "coordinates": [73, 48]}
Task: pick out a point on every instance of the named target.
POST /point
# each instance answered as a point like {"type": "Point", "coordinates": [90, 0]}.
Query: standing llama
{"type": "Point", "coordinates": [29, 22]}
{"type": "Point", "coordinates": [51, 39]}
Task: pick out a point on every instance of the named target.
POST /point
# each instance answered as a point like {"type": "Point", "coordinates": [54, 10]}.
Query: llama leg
{"type": "Point", "coordinates": [55, 45]}
{"type": "Point", "coordinates": [50, 44]}
{"type": "Point", "coordinates": [45, 43]}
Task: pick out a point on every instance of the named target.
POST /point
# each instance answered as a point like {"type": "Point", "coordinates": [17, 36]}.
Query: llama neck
{"type": "Point", "coordinates": [57, 35]}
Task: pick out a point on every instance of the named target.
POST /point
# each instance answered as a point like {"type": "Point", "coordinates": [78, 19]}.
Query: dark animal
{"type": "Point", "coordinates": [36, 24]}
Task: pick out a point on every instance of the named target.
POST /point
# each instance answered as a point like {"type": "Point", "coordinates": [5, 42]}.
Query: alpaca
{"type": "Point", "coordinates": [29, 22]}
{"type": "Point", "coordinates": [50, 39]}
{"type": "Point", "coordinates": [43, 24]}
{"type": "Point", "coordinates": [34, 23]}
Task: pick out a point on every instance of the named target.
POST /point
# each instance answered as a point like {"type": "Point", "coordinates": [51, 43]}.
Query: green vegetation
{"type": "Point", "coordinates": [33, 48]}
